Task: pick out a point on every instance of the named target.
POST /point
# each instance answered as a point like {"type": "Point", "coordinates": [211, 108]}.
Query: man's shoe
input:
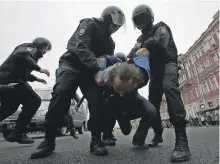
{"type": "Point", "coordinates": [181, 152]}
{"type": "Point", "coordinates": [109, 142]}
{"type": "Point", "coordinates": [73, 134]}
{"type": "Point", "coordinates": [21, 138]}
{"type": "Point", "coordinates": [113, 138]}
{"type": "Point", "coordinates": [44, 149]}
{"type": "Point", "coordinates": [140, 146]}
{"type": "Point", "coordinates": [156, 140]}
{"type": "Point", "coordinates": [98, 148]}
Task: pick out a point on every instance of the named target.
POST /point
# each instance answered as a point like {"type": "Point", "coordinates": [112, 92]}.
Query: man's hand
{"type": "Point", "coordinates": [143, 52]}
{"type": "Point", "coordinates": [41, 81]}
{"type": "Point", "coordinates": [100, 61]}
{"type": "Point", "coordinates": [98, 77]}
{"type": "Point", "coordinates": [45, 71]}
{"type": "Point", "coordinates": [138, 45]}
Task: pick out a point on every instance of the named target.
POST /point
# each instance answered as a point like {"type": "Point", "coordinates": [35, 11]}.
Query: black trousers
{"type": "Point", "coordinates": [10, 101]}
{"type": "Point", "coordinates": [165, 80]}
{"type": "Point", "coordinates": [128, 108]}
{"type": "Point", "coordinates": [67, 82]}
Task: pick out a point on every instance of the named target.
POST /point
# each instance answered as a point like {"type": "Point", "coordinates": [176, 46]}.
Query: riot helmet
{"type": "Point", "coordinates": [121, 56]}
{"type": "Point", "coordinates": [113, 17]}
{"type": "Point", "coordinates": [142, 17]}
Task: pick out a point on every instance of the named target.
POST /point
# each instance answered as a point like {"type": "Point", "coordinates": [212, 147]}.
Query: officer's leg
{"type": "Point", "coordinates": [31, 102]}
{"type": "Point", "coordinates": [9, 104]}
{"type": "Point", "coordinates": [71, 124]}
{"type": "Point", "coordinates": [176, 111]}
{"type": "Point", "coordinates": [93, 94]}
{"type": "Point", "coordinates": [65, 87]}
{"type": "Point", "coordinates": [155, 97]}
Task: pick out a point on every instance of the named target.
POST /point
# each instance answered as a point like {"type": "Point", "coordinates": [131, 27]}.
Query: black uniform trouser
{"type": "Point", "coordinates": [66, 85]}
{"type": "Point", "coordinates": [128, 108]}
{"type": "Point", "coordinates": [70, 119]}
{"type": "Point", "coordinates": [22, 94]}
{"type": "Point", "coordinates": [166, 81]}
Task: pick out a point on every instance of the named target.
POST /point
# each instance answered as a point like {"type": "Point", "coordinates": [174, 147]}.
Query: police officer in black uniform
{"type": "Point", "coordinates": [15, 71]}
{"type": "Point", "coordinates": [78, 67]}
{"type": "Point", "coordinates": [158, 40]}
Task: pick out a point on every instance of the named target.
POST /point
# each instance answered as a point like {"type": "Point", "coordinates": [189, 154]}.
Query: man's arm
{"type": "Point", "coordinates": [31, 63]}
{"type": "Point", "coordinates": [32, 78]}
{"type": "Point", "coordinates": [161, 38]}
{"type": "Point", "coordinates": [83, 46]}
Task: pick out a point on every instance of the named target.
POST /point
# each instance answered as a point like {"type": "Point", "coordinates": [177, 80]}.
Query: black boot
{"type": "Point", "coordinates": [108, 141]}
{"type": "Point", "coordinates": [181, 152]}
{"type": "Point", "coordinates": [156, 140]}
{"type": "Point", "coordinates": [98, 148]}
{"type": "Point", "coordinates": [44, 149]}
{"type": "Point", "coordinates": [21, 138]}
{"type": "Point", "coordinates": [73, 134]}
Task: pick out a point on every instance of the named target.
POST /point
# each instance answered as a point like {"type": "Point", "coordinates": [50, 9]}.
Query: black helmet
{"type": "Point", "coordinates": [121, 56]}
{"type": "Point", "coordinates": [142, 17]}
{"type": "Point", "coordinates": [42, 44]}
{"type": "Point", "coordinates": [113, 14]}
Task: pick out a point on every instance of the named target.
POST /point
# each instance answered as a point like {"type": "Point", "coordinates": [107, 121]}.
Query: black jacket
{"type": "Point", "coordinates": [159, 41]}
{"type": "Point", "coordinates": [89, 41]}
{"type": "Point", "coordinates": [18, 66]}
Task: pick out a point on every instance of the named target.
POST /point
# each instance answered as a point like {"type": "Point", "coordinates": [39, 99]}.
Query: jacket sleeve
{"type": "Point", "coordinates": [161, 38]}
{"type": "Point", "coordinates": [134, 49]}
{"type": "Point", "coordinates": [83, 46]}
{"type": "Point", "coordinates": [31, 64]}
{"type": "Point", "coordinates": [32, 78]}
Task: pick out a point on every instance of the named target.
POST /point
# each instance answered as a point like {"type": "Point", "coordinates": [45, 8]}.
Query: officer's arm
{"type": "Point", "coordinates": [31, 64]}
{"type": "Point", "coordinates": [161, 38]}
{"type": "Point", "coordinates": [32, 78]}
{"type": "Point", "coordinates": [83, 46]}
{"type": "Point", "coordinates": [134, 49]}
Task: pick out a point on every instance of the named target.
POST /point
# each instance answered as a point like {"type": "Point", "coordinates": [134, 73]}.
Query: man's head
{"type": "Point", "coordinates": [142, 17]}
{"type": "Point", "coordinates": [113, 17]}
{"type": "Point", "coordinates": [43, 45]}
{"type": "Point", "coordinates": [125, 78]}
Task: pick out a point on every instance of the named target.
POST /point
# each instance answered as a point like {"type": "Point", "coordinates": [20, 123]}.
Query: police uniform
{"type": "Point", "coordinates": [17, 68]}
{"type": "Point", "coordinates": [158, 40]}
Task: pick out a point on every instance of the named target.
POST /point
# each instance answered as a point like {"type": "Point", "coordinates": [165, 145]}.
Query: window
{"type": "Point", "coordinates": [207, 63]}
{"type": "Point", "coordinates": [200, 69]}
{"type": "Point", "coordinates": [197, 55]}
{"type": "Point", "coordinates": [210, 104]}
{"type": "Point", "coordinates": [213, 83]}
{"type": "Point", "coordinates": [211, 41]}
{"type": "Point", "coordinates": [202, 50]}
{"type": "Point", "coordinates": [197, 91]}
{"type": "Point", "coordinates": [205, 87]}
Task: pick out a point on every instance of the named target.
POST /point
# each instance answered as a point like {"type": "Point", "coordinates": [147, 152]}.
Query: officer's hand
{"type": "Point", "coordinates": [98, 77]}
{"type": "Point", "coordinates": [138, 45]}
{"type": "Point", "coordinates": [143, 52]}
{"type": "Point", "coordinates": [100, 61]}
{"type": "Point", "coordinates": [45, 71]}
{"type": "Point", "coordinates": [41, 81]}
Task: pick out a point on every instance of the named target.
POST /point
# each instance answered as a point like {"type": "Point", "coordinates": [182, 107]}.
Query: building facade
{"type": "Point", "coordinates": [199, 74]}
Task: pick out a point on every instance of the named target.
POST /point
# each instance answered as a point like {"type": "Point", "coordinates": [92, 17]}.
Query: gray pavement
{"type": "Point", "coordinates": [204, 144]}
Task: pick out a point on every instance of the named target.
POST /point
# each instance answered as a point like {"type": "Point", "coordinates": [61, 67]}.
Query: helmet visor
{"type": "Point", "coordinates": [118, 18]}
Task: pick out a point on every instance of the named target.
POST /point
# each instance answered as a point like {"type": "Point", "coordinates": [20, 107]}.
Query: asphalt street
{"type": "Point", "coordinates": [204, 145]}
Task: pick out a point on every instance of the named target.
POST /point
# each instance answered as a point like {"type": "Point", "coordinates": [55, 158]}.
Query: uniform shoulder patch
{"type": "Point", "coordinates": [82, 30]}
{"type": "Point", "coordinates": [29, 49]}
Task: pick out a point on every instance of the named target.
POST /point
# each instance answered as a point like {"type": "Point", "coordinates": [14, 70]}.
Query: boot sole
{"type": "Point", "coordinates": [12, 141]}
{"type": "Point", "coordinates": [42, 156]}
{"type": "Point", "coordinates": [180, 160]}
{"type": "Point", "coordinates": [101, 154]}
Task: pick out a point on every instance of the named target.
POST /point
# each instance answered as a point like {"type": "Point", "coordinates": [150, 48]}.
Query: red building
{"type": "Point", "coordinates": [199, 76]}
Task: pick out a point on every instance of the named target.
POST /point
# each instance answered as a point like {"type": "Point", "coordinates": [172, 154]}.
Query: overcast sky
{"type": "Point", "coordinates": [21, 22]}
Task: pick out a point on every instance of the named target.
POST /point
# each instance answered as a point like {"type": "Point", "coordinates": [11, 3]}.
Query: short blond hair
{"type": "Point", "coordinates": [125, 73]}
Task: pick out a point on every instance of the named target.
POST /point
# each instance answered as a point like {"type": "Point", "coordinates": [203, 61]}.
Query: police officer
{"type": "Point", "coordinates": [15, 71]}
{"type": "Point", "coordinates": [77, 67]}
{"type": "Point", "coordinates": [121, 56]}
{"type": "Point", "coordinates": [158, 40]}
